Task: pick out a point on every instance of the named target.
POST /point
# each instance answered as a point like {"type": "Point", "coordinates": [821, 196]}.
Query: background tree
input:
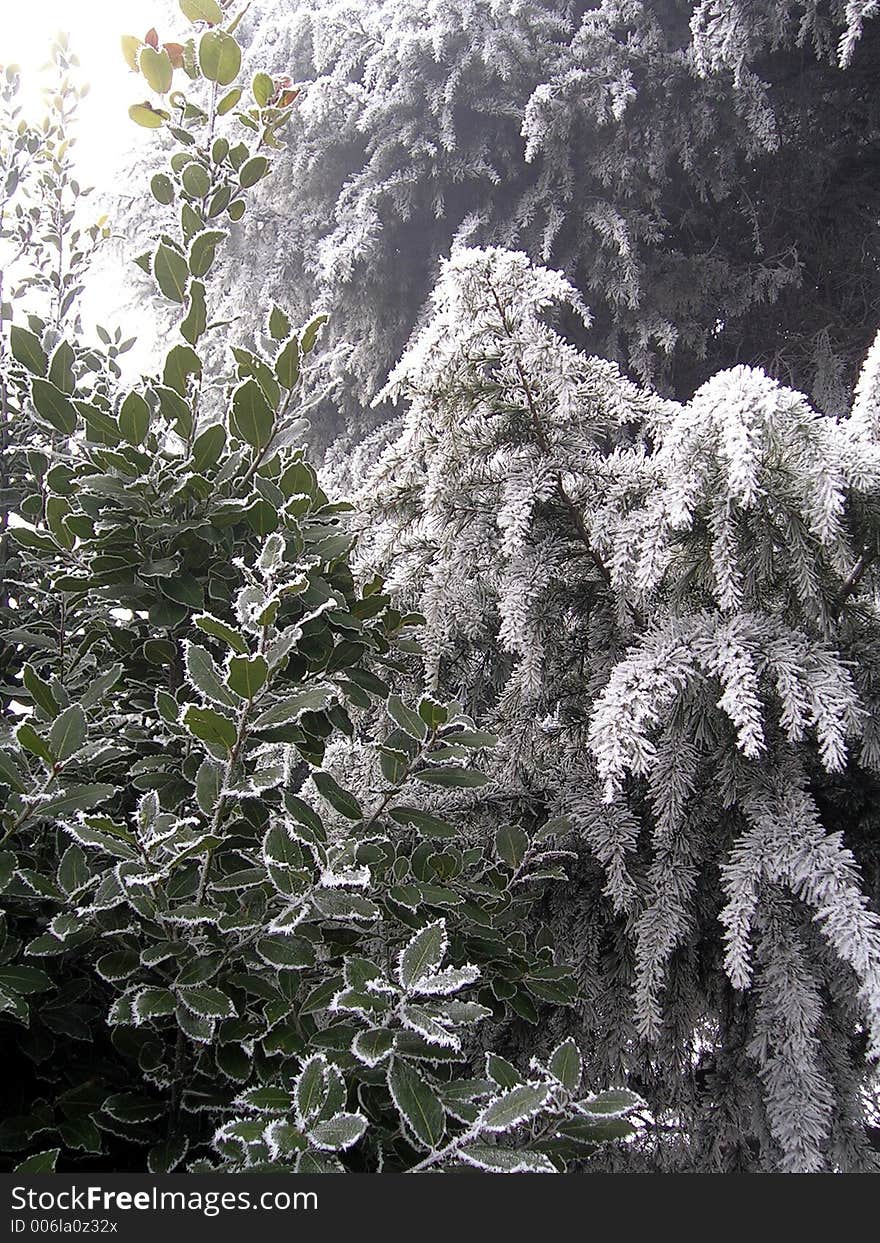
{"type": "Point", "coordinates": [244, 924]}
{"type": "Point", "coordinates": [705, 176]}
{"type": "Point", "coordinates": [668, 613]}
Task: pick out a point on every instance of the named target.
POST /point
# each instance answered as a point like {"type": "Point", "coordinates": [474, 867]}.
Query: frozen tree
{"type": "Point", "coordinates": [704, 173]}
{"type": "Point", "coordinates": [668, 611]}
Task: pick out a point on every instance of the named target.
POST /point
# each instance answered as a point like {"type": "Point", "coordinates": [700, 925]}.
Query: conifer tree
{"type": "Point", "coordinates": [244, 924]}
{"type": "Point", "coordinates": [704, 174]}
{"type": "Point", "coordinates": [668, 612]}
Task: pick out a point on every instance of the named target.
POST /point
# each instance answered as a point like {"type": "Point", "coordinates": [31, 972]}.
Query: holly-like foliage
{"type": "Point", "coordinates": [247, 922]}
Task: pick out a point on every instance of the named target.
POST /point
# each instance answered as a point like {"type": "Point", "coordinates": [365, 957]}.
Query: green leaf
{"type": "Point", "coordinates": [149, 117]}
{"type": "Point", "coordinates": [202, 11]}
{"type": "Point", "coordinates": [131, 47]}
{"type": "Point", "coordinates": [165, 1156]}
{"type": "Point", "coordinates": [266, 1100]}
{"type": "Point", "coordinates": [40, 1163]}
{"type": "Point", "coordinates": [338, 904]}
{"type": "Point", "coordinates": [162, 189]}
{"type": "Point", "coordinates": [337, 1133]}
{"type": "Point", "coordinates": [477, 738]}
{"type": "Point", "coordinates": [196, 321]}
{"type": "Point", "coordinates": [61, 367]}
{"type": "Point", "coordinates": [210, 727]}
{"type": "Point", "coordinates": [262, 517]}
{"type": "Point", "coordinates": [310, 1088]}
{"type": "Point", "coordinates": [101, 427]}
{"type": "Point", "coordinates": [418, 1105]}
{"type": "Point", "coordinates": [510, 1109]}
{"type": "Point", "coordinates": [596, 1131]}
{"type": "Point", "coordinates": [310, 333]}
{"type": "Point", "coordinates": [252, 171]}
{"type": "Point", "coordinates": [511, 844]}
{"type": "Point", "coordinates": [279, 324]}
{"type": "Point", "coordinates": [82, 1134]}
{"type": "Point", "coordinates": [134, 419]}
{"type": "Point", "coordinates": [228, 102]}
{"type": "Point", "coordinates": [209, 781]}
{"type": "Point", "coordinates": [25, 980]}
{"type": "Point", "coordinates": [206, 677]}
{"type": "Point", "coordinates": [208, 447]}
{"type": "Point", "coordinates": [407, 718]}
{"type": "Point", "coordinates": [29, 740]}
{"type": "Point", "coordinates": [133, 1107]}
{"type": "Point", "coordinates": [153, 1003]}
{"type": "Point", "coordinates": [506, 1160]}
{"type": "Point", "coordinates": [202, 250]}
{"type": "Point", "coordinates": [27, 350]}
{"type": "Point", "coordinates": [174, 408]}
{"type": "Point", "coordinates": [117, 965]}
{"type": "Point", "coordinates": [287, 364]}
{"type": "Point", "coordinates": [186, 591]}
{"type": "Point", "coordinates": [219, 57]}
{"type": "Point", "coordinates": [314, 699]}
{"type": "Point", "coordinates": [10, 772]}
{"type": "Point", "coordinates": [75, 798]}
{"type": "Point", "coordinates": [294, 953]}
{"type": "Point", "coordinates": [155, 65]}
{"type": "Point", "coordinates": [372, 1046]}
{"type": "Point", "coordinates": [565, 1065]}
{"type": "Point", "coordinates": [196, 180]}
{"type": "Point", "coordinates": [263, 88]}
{"type": "Point", "coordinates": [427, 825]}
{"type": "Point", "coordinates": [422, 955]}
{"type": "Point", "coordinates": [53, 406]}
{"type": "Point", "coordinates": [252, 418]}
{"type": "Point", "coordinates": [613, 1103]}
{"type": "Point", "coordinates": [68, 732]}
{"type": "Point", "coordinates": [208, 1002]}
{"type": "Point", "coordinates": [171, 272]}
{"type": "Point", "coordinates": [342, 800]}
{"type": "Point", "coordinates": [180, 363]}
{"type": "Point", "coordinates": [73, 870]}
{"type": "Point", "coordinates": [449, 778]}
{"type": "Point", "coordinates": [220, 630]}
{"type": "Point", "coordinates": [247, 675]}
{"type": "Point", "coordinates": [39, 691]}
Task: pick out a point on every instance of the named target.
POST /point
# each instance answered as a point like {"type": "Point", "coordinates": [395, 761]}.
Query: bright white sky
{"type": "Point", "coordinates": [95, 26]}
{"type": "Point", "coordinates": [104, 131]}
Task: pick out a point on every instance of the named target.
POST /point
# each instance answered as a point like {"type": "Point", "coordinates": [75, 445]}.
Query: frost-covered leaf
{"type": "Point", "coordinates": [450, 980]}
{"type": "Point", "coordinates": [422, 954]}
{"type": "Point", "coordinates": [152, 1003]}
{"type": "Point", "coordinates": [419, 1107]}
{"type": "Point", "coordinates": [311, 1089]}
{"type": "Point", "coordinates": [565, 1065]}
{"type": "Point", "coordinates": [206, 677]}
{"type": "Point", "coordinates": [513, 1107]}
{"type": "Point", "coordinates": [506, 1160]}
{"type": "Point", "coordinates": [339, 1132]}
{"type": "Point", "coordinates": [40, 1163]}
{"type": "Point", "coordinates": [408, 719]}
{"type": "Point", "coordinates": [215, 729]}
{"type": "Point", "coordinates": [613, 1103]}
{"type": "Point", "coordinates": [337, 904]}
{"type": "Point", "coordinates": [372, 1046]}
{"type": "Point", "coordinates": [68, 732]}
{"type": "Point", "coordinates": [343, 800]}
{"type": "Point", "coordinates": [266, 1099]}
{"type": "Point", "coordinates": [429, 1025]}
{"type": "Point", "coordinates": [207, 1002]}
{"type": "Point", "coordinates": [291, 708]}
{"type": "Point", "coordinates": [452, 777]}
